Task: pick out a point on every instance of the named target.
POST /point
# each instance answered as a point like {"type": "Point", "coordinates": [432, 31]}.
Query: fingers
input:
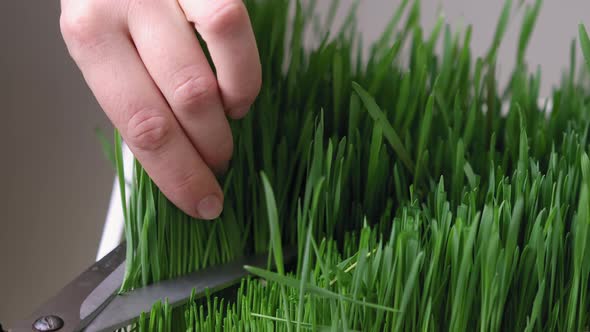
{"type": "Point", "coordinates": [171, 53]}
{"type": "Point", "coordinates": [124, 89]}
{"type": "Point", "coordinates": [225, 27]}
{"type": "Point", "coordinates": [159, 91]}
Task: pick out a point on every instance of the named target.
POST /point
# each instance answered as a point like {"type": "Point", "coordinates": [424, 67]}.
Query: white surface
{"type": "Point", "coordinates": [114, 225]}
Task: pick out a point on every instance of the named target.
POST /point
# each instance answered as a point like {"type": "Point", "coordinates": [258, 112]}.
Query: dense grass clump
{"type": "Point", "coordinates": [418, 194]}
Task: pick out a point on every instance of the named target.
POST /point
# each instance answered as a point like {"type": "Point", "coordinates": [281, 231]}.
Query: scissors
{"type": "Point", "coordinates": [92, 303]}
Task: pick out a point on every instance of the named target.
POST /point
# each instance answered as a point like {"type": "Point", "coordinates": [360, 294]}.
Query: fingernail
{"type": "Point", "coordinates": [209, 207]}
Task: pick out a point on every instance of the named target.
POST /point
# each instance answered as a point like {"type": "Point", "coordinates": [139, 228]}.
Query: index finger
{"type": "Point", "coordinates": [132, 101]}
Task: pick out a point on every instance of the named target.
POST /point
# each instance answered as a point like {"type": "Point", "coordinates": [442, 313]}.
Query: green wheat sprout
{"type": "Point", "coordinates": [414, 202]}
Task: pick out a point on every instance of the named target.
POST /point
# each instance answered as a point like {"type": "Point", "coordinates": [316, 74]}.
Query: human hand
{"type": "Point", "coordinates": [143, 62]}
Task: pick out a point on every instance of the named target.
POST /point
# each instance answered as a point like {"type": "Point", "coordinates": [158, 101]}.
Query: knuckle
{"type": "Point", "coordinates": [147, 130]}
{"type": "Point", "coordinates": [81, 25]}
{"type": "Point", "coordinates": [181, 187]}
{"type": "Point", "coordinates": [225, 16]}
{"type": "Point", "coordinates": [184, 186]}
{"type": "Point", "coordinates": [183, 182]}
{"type": "Point", "coordinates": [194, 89]}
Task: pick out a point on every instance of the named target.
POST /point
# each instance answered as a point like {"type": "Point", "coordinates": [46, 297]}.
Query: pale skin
{"type": "Point", "coordinates": [143, 62]}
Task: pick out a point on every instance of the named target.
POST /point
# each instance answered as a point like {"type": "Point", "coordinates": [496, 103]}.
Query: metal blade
{"type": "Point", "coordinates": [102, 295]}
{"type": "Point", "coordinates": [64, 308]}
{"type": "Point", "coordinates": [125, 308]}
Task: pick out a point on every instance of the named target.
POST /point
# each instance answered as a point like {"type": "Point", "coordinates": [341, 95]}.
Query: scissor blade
{"type": "Point", "coordinates": [66, 304]}
{"type": "Point", "coordinates": [125, 308]}
{"type": "Point", "coordinates": [101, 295]}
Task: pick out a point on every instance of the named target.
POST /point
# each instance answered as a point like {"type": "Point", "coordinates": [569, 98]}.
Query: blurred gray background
{"type": "Point", "coordinates": [55, 181]}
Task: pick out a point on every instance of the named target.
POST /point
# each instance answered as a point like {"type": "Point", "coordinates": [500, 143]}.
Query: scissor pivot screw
{"type": "Point", "coordinates": [48, 323]}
